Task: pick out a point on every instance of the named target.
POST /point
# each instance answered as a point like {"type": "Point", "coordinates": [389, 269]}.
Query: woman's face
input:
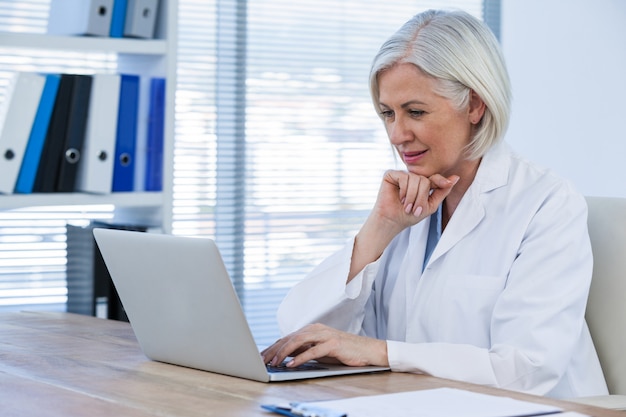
{"type": "Point", "coordinates": [428, 132]}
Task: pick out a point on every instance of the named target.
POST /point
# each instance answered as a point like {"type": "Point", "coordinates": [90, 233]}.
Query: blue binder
{"type": "Point", "coordinates": [154, 154]}
{"type": "Point", "coordinates": [126, 135]}
{"type": "Point", "coordinates": [32, 154]}
{"type": "Point", "coordinates": [118, 18]}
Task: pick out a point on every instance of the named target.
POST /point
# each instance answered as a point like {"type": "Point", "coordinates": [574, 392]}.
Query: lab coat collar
{"type": "Point", "coordinates": [492, 173]}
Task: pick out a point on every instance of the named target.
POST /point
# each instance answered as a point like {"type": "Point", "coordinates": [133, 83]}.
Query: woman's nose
{"type": "Point", "coordinates": [399, 132]}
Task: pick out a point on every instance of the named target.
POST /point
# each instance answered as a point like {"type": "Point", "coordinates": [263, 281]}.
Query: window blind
{"type": "Point", "coordinates": [279, 153]}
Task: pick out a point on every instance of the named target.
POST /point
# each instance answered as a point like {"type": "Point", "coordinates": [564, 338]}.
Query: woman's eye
{"type": "Point", "coordinates": [416, 113]}
{"type": "Point", "coordinates": [386, 114]}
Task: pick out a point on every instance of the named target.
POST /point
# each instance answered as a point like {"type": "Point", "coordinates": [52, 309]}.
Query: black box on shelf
{"type": "Point", "coordinates": [90, 290]}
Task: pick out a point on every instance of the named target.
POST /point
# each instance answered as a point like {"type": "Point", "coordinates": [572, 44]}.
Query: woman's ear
{"type": "Point", "coordinates": [476, 108]}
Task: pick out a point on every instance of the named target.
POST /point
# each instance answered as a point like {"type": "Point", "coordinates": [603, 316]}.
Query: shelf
{"type": "Point", "coordinates": [130, 199]}
{"type": "Point", "coordinates": [83, 43]}
{"type": "Point", "coordinates": [145, 57]}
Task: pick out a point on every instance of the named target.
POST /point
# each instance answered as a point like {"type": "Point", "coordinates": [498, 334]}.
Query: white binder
{"type": "Point", "coordinates": [141, 18]}
{"type": "Point", "coordinates": [95, 171]}
{"type": "Point", "coordinates": [141, 144]}
{"type": "Point", "coordinates": [80, 17]}
{"type": "Point", "coordinates": [16, 120]}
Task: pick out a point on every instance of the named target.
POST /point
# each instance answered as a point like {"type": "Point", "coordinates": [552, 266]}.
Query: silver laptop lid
{"type": "Point", "coordinates": [180, 302]}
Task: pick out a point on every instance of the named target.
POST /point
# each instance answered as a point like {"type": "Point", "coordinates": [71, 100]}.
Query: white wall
{"type": "Point", "coordinates": [567, 62]}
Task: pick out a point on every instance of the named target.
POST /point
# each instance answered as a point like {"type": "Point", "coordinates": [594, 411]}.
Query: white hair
{"type": "Point", "coordinates": [461, 53]}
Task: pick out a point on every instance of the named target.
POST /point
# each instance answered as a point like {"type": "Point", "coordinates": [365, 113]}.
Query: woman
{"type": "Point", "coordinates": [474, 264]}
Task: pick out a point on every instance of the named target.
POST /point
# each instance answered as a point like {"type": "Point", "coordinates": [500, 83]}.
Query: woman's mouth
{"type": "Point", "coordinates": [411, 158]}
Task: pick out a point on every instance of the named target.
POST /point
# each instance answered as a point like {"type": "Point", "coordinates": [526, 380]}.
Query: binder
{"type": "Point", "coordinates": [118, 18]}
{"type": "Point", "coordinates": [141, 146]}
{"type": "Point", "coordinates": [48, 169]}
{"type": "Point", "coordinates": [75, 134]}
{"type": "Point", "coordinates": [141, 18]}
{"type": "Point", "coordinates": [16, 120]}
{"type": "Point", "coordinates": [154, 154]}
{"type": "Point", "coordinates": [126, 132]}
{"type": "Point", "coordinates": [90, 290]}
{"type": "Point", "coordinates": [107, 303]}
{"type": "Point", "coordinates": [80, 269]}
{"type": "Point", "coordinates": [80, 17]}
{"type": "Point", "coordinates": [32, 154]}
{"type": "Point", "coordinates": [95, 169]}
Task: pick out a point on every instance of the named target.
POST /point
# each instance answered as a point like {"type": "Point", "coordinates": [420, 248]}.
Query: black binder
{"type": "Point", "coordinates": [75, 134]}
{"type": "Point", "coordinates": [90, 290]}
{"type": "Point", "coordinates": [48, 169]}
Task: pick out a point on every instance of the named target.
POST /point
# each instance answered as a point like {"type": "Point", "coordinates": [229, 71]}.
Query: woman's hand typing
{"type": "Point", "coordinates": [325, 344]}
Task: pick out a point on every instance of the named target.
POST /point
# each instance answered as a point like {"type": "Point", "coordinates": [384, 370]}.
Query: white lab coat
{"type": "Point", "coordinates": [501, 301]}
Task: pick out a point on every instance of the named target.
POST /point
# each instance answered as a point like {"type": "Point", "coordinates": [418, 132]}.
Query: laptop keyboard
{"type": "Point", "coordinates": [304, 367]}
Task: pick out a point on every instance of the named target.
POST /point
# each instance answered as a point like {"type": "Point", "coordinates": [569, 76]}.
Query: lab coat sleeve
{"type": "Point", "coordinates": [444, 360]}
{"type": "Point", "coordinates": [324, 297]}
{"type": "Point", "coordinates": [538, 319]}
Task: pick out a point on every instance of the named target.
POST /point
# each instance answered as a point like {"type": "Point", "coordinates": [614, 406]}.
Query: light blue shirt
{"type": "Point", "coordinates": [434, 234]}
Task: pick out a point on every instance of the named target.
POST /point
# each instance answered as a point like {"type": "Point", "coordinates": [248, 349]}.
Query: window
{"type": "Point", "coordinates": [278, 151]}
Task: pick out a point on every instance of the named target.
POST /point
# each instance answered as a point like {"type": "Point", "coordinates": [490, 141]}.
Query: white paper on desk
{"type": "Point", "coordinates": [439, 402]}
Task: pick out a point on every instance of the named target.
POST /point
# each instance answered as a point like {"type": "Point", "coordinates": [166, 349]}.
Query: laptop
{"type": "Point", "coordinates": [184, 310]}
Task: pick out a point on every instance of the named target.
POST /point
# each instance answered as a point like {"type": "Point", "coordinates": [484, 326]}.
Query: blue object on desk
{"type": "Point", "coordinates": [303, 410]}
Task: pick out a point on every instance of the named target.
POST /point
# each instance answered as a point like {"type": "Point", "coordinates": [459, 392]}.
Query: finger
{"type": "Point", "coordinates": [303, 345]}
{"type": "Point", "coordinates": [413, 188]}
{"type": "Point", "coordinates": [293, 345]}
{"type": "Point", "coordinates": [276, 353]}
{"type": "Point", "coordinates": [439, 181]}
{"type": "Point", "coordinates": [421, 203]}
{"type": "Point", "coordinates": [314, 352]}
{"type": "Point", "coordinates": [399, 180]}
{"type": "Point", "coordinates": [269, 352]}
{"type": "Point", "coordinates": [441, 192]}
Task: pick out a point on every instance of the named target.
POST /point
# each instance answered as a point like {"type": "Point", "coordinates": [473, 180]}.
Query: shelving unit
{"type": "Point", "coordinates": [146, 57]}
{"type": "Point", "coordinates": [138, 199]}
{"type": "Point", "coordinates": [77, 43]}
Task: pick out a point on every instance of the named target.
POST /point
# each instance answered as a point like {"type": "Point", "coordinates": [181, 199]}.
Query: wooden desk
{"type": "Point", "coordinates": [58, 364]}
